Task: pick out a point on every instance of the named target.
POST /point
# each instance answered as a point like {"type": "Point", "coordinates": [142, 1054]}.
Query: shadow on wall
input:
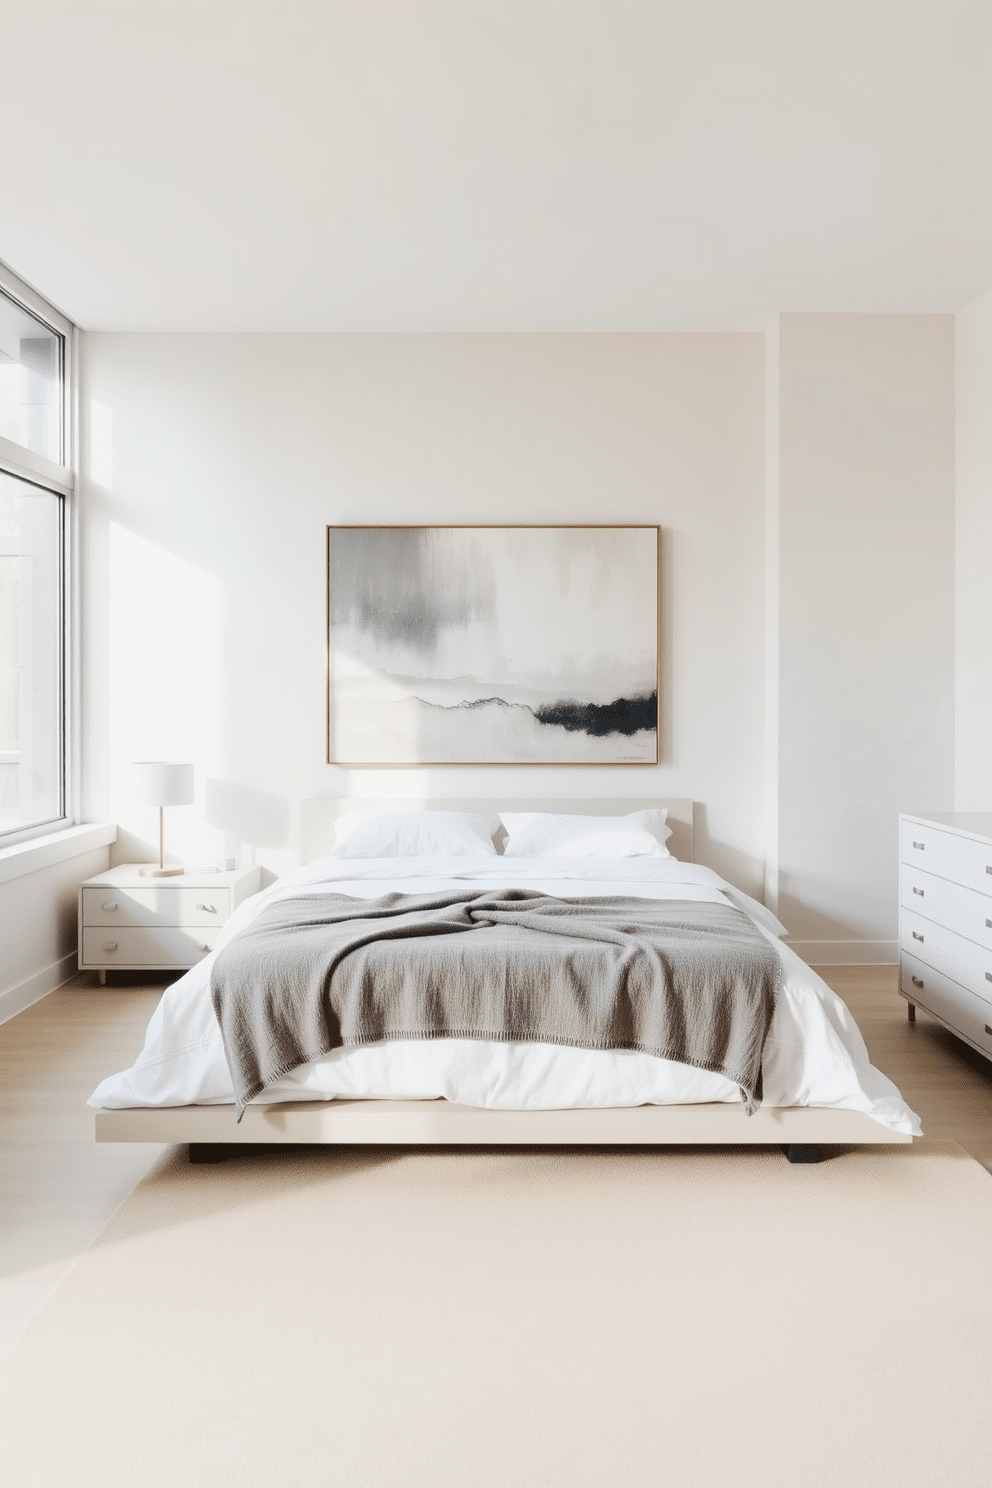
{"type": "Point", "coordinates": [130, 848]}
{"type": "Point", "coordinates": [746, 870]}
{"type": "Point", "coordinates": [809, 921]}
{"type": "Point", "coordinates": [247, 817]}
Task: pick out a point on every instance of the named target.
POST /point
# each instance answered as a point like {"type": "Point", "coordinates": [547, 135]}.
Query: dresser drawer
{"type": "Point", "coordinates": [156, 906]}
{"type": "Point", "coordinates": [948, 904]}
{"type": "Point", "coordinates": [960, 959]}
{"type": "Point", "coordinates": [952, 1004]}
{"type": "Point", "coordinates": [146, 945]}
{"type": "Point", "coordinates": [948, 855]}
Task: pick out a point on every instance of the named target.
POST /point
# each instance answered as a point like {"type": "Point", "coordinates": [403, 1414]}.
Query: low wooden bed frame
{"type": "Point", "coordinates": [213, 1133]}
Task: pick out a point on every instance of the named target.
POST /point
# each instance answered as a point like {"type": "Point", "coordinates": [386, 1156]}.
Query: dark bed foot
{"type": "Point", "coordinates": [800, 1152]}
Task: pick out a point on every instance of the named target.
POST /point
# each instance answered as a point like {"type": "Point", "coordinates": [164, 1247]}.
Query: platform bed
{"type": "Point", "coordinates": [439, 1123]}
{"type": "Point", "coordinates": [213, 1134]}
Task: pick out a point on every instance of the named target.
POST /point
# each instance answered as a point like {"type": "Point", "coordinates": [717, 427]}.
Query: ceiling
{"type": "Point", "coordinates": [495, 165]}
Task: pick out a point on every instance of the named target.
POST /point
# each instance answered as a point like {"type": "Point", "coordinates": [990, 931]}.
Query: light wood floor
{"type": "Point", "coordinates": [946, 1082]}
{"type": "Point", "coordinates": [59, 1187]}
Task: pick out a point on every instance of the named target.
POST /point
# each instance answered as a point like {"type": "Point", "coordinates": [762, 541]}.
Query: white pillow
{"type": "Point", "coordinates": [411, 834]}
{"type": "Point", "coordinates": [545, 834]}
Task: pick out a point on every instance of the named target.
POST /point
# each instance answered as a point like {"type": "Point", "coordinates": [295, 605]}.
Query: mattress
{"type": "Point", "coordinates": [814, 1054]}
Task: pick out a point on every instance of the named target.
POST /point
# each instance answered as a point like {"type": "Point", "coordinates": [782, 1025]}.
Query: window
{"type": "Point", "coordinates": [35, 492]}
{"type": "Point", "coordinates": [31, 375]}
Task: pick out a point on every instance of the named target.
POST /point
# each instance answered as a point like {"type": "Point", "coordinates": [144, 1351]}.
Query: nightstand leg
{"type": "Point", "coordinates": [911, 1011]}
{"type": "Point", "coordinates": [103, 977]}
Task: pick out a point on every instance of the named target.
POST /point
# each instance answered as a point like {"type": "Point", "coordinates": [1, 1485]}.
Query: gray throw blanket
{"type": "Point", "coordinates": [688, 981]}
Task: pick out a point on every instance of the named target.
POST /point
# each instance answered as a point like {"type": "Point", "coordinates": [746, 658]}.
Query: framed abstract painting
{"type": "Point", "coordinates": [493, 645]}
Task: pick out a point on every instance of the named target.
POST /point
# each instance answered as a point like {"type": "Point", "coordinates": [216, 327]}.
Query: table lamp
{"type": "Point", "coordinates": [161, 783]}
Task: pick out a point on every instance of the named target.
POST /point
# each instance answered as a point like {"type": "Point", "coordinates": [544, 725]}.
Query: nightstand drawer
{"type": "Point", "coordinates": [163, 906]}
{"type": "Point", "coordinates": [964, 962]}
{"type": "Point", "coordinates": [948, 855]}
{"type": "Point", "coordinates": [145, 946]}
{"type": "Point", "coordinates": [952, 1004]}
{"type": "Point", "coordinates": [958, 909]}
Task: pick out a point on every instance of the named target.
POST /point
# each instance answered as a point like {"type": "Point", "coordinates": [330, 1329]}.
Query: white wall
{"type": "Point", "coordinates": [866, 615]}
{"type": "Point", "coordinates": [38, 927]}
{"type": "Point", "coordinates": [973, 672]}
{"type": "Point", "coordinates": [211, 465]}
{"type": "Point", "coordinates": [814, 617]}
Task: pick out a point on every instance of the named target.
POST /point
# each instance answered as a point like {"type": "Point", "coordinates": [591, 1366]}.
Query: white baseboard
{"type": "Point", "coordinates": [847, 952]}
{"type": "Point", "coordinates": [16, 999]}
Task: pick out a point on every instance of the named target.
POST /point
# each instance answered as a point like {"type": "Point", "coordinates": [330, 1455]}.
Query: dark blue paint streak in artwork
{"type": "Point", "coordinates": [623, 716]}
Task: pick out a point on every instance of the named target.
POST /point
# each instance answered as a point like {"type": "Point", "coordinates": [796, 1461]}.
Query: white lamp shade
{"type": "Point", "coordinates": [162, 783]}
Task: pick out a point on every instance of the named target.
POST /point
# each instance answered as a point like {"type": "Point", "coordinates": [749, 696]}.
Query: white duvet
{"type": "Point", "coordinates": [814, 1054]}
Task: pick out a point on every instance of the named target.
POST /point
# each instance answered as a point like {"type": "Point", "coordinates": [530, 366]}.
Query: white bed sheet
{"type": "Point", "coordinates": [814, 1054]}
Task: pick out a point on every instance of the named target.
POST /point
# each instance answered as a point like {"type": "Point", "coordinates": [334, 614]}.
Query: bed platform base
{"type": "Point", "coordinates": [798, 1129]}
{"type": "Point", "coordinates": [218, 1152]}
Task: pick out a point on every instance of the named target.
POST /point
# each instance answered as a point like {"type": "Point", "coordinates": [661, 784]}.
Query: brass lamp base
{"type": "Point", "coordinates": [156, 872]}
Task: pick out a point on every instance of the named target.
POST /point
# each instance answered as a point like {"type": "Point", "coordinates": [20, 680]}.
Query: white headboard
{"type": "Point", "coordinates": [317, 816]}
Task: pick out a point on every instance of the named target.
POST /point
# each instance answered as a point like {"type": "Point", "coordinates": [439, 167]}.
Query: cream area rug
{"type": "Point", "coordinates": [389, 1318]}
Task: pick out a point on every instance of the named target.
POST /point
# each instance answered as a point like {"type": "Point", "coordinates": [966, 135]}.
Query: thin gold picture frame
{"type": "Point", "coordinates": [348, 764]}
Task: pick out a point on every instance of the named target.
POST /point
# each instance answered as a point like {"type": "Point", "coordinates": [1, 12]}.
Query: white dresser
{"type": "Point", "coordinates": [156, 924]}
{"type": "Point", "coordinates": [945, 921]}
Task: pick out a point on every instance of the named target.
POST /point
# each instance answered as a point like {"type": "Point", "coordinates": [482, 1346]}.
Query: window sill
{"type": "Point", "coordinates": [56, 847]}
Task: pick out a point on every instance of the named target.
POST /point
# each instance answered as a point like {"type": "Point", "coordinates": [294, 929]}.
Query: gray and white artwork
{"type": "Point", "coordinates": [493, 645]}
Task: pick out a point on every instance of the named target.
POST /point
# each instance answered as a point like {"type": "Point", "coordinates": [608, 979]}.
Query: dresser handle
{"type": "Point", "coordinates": [201, 945]}
{"type": "Point", "coordinates": [922, 893]}
{"type": "Point", "coordinates": [988, 867]}
{"type": "Point", "coordinates": [917, 981]}
{"type": "Point", "coordinates": [209, 908]}
{"type": "Point", "coordinates": [988, 976]}
{"type": "Point", "coordinates": [988, 1029]}
{"type": "Point", "coordinates": [111, 945]}
{"type": "Point", "coordinates": [922, 847]}
{"type": "Point", "coordinates": [988, 924]}
{"type": "Point", "coordinates": [918, 936]}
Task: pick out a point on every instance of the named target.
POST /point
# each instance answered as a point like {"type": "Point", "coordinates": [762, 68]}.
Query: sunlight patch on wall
{"type": "Point", "coordinates": [165, 687]}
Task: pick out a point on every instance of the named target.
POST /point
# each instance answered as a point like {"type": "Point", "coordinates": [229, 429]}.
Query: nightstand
{"type": "Point", "coordinates": [147, 924]}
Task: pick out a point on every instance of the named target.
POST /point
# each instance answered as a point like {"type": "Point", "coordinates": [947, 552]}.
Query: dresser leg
{"type": "Point", "coordinates": [911, 1011]}
{"type": "Point", "coordinates": [802, 1152]}
{"type": "Point", "coordinates": [103, 977]}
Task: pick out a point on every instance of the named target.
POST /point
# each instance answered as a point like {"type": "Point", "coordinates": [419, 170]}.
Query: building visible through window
{"type": "Point", "coordinates": [31, 357]}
